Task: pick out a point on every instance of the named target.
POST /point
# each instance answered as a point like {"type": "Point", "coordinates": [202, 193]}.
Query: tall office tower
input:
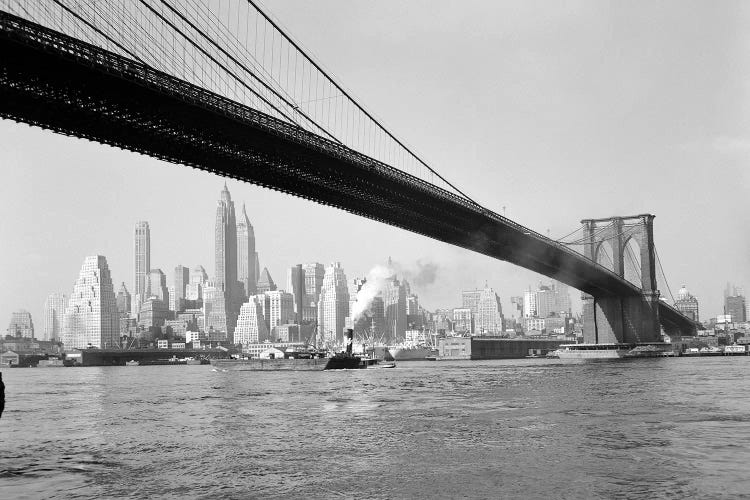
{"type": "Point", "coordinates": [470, 300]}
{"type": "Point", "coordinates": [181, 281]}
{"type": "Point", "coordinates": [226, 262]}
{"type": "Point", "coordinates": [194, 289]}
{"type": "Point", "coordinates": [333, 305]}
{"type": "Point", "coordinates": [735, 306]}
{"type": "Point", "coordinates": [295, 284]}
{"type": "Point", "coordinates": [214, 311]}
{"type": "Point", "coordinates": [91, 317]}
{"type": "Point", "coordinates": [21, 324]}
{"type": "Point", "coordinates": [687, 304]}
{"type": "Point", "coordinates": [546, 301]}
{"type": "Point", "coordinates": [489, 318]}
{"type": "Point", "coordinates": [157, 286]}
{"type": "Point", "coordinates": [414, 316]}
{"type": "Point", "coordinates": [251, 324]}
{"type": "Point", "coordinates": [265, 282]}
{"type": "Point", "coordinates": [54, 309]}
{"type": "Point", "coordinates": [278, 309]}
{"type": "Point", "coordinates": [529, 304]}
{"type": "Point", "coordinates": [246, 257]}
{"type": "Point", "coordinates": [377, 319]}
{"type": "Point", "coordinates": [123, 301]}
{"type": "Point", "coordinates": [394, 300]}
{"type": "Point", "coordinates": [142, 247]}
{"type": "Point", "coordinates": [314, 273]}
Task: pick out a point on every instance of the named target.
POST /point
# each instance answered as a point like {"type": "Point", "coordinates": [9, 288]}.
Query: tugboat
{"type": "Point", "coordinates": [339, 361]}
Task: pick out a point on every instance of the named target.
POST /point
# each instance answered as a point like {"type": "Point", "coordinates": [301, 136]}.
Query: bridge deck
{"type": "Point", "coordinates": [57, 82]}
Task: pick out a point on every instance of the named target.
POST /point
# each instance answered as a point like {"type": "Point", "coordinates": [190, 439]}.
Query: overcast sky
{"type": "Point", "coordinates": [556, 111]}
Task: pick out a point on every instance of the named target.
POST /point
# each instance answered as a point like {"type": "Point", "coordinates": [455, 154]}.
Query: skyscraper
{"type": "Point", "coordinates": [225, 284]}
{"type": "Point", "coordinates": [266, 283]}
{"type": "Point", "coordinates": [21, 324]}
{"type": "Point", "coordinates": [394, 301]}
{"type": "Point", "coordinates": [470, 300]}
{"type": "Point", "coordinates": [198, 278]}
{"type": "Point", "coordinates": [489, 318]}
{"type": "Point", "coordinates": [251, 324]}
{"type": "Point", "coordinates": [333, 305]}
{"type": "Point", "coordinates": [735, 306]}
{"type": "Point", "coordinates": [91, 317]}
{"type": "Point", "coordinates": [123, 300]}
{"type": "Point", "coordinates": [181, 280]}
{"type": "Point", "coordinates": [314, 273]}
{"type": "Point", "coordinates": [225, 243]}
{"type": "Point", "coordinates": [142, 252]}
{"type": "Point", "coordinates": [246, 256]}
{"type": "Point", "coordinates": [278, 309]}
{"type": "Point", "coordinates": [54, 309]}
{"type": "Point", "coordinates": [295, 284]}
{"type": "Point", "coordinates": [687, 304]}
{"type": "Point", "coordinates": [157, 286]}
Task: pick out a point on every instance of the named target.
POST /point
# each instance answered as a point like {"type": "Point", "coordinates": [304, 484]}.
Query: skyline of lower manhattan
{"type": "Point", "coordinates": [559, 149]}
{"type": "Point", "coordinates": [325, 294]}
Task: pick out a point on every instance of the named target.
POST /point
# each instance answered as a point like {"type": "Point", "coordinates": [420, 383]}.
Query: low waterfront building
{"type": "Point", "coordinates": [254, 350]}
{"type": "Point", "coordinates": [493, 347]}
{"type": "Point", "coordinates": [9, 358]}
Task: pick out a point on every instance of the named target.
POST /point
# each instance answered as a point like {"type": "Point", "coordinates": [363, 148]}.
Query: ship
{"type": "Point", "coordinates": [409, 353]}
{"type": "Point", "coordinates": [298, 361]}
{"type": "Point", "coordinates": [612, 351]}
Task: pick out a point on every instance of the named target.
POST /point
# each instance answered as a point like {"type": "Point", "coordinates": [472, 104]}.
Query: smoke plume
{"type": "Point", "coordinates": [376, 281]}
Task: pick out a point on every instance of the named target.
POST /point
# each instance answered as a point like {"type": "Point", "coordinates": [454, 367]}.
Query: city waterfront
{"type": "Point", "coordinates": [648, 428]}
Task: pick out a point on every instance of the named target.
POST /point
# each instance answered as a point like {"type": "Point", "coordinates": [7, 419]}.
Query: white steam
{"type": "Point", "coordinates": [377, 279]}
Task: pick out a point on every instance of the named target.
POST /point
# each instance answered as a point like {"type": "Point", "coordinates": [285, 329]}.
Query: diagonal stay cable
{"type": "Point", "coordinates": [368, 115]}
{"type": "Point", "coordinates": [246, 69]}
{"type": "Point", "coordinates": [87, 23]}
{"type": "Point", "coordinates": [212, 58]}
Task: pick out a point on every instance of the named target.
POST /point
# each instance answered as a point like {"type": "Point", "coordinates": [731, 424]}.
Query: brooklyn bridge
{"type": "Point", "coordinates": [223, 88]}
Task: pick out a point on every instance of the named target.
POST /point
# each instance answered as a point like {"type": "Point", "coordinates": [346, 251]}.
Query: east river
{"type": "Point", "coordinates": [649, 428]}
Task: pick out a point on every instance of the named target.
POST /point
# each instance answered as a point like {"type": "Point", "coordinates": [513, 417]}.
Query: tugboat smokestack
{"type": "Point", "coordinates": [349, 337]}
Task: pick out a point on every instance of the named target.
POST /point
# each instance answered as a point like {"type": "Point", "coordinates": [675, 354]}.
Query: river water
{"type": "Point", "coordinates": [649, 428]}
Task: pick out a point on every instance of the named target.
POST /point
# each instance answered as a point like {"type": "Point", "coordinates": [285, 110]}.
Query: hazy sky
{"type": "Point", "coordinates": [556, 111]}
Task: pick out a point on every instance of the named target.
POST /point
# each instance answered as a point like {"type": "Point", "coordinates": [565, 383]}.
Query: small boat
{"type": "Point", "coordinates": [132, 363]}
{"type": "Point", "coordinates": [387, 365]}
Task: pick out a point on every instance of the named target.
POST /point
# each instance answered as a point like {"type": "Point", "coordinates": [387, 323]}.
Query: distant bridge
{"type": "Point", "coordinates": [60, 82]}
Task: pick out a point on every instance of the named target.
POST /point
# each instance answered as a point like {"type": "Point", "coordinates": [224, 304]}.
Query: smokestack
{"type": "Point", "coordinates": [349, 335]}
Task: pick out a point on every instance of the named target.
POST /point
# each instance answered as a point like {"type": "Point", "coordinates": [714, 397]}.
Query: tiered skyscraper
{"type": "Point", "coordinates": [489, 318]}
{"type": "Point", "coordinates": [142, 252]}
{"type": "Point", "coordinates": [251, 324]}
{"type": "Point", "coordinates": [91, 317]}
{"type": "Point", "coordinates": [54, 309]}
{"type": "Point", "coordinates": [333, 305]}
{"type": "Point", "coordinates": [226, 297]}
{"type": "Point", "coordinates": [246, 255]}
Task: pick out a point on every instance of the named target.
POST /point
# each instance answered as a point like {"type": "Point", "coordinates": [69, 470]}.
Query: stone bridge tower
{"type": "Point", "coordinates": [615, 319]}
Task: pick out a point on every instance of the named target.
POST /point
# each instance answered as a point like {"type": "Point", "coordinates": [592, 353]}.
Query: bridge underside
{"type": "Point", "coordinates": [56, 82]}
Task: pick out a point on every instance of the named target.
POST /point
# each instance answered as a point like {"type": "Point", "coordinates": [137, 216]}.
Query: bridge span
{"type": "Point", "coordinates": [54, 81]}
